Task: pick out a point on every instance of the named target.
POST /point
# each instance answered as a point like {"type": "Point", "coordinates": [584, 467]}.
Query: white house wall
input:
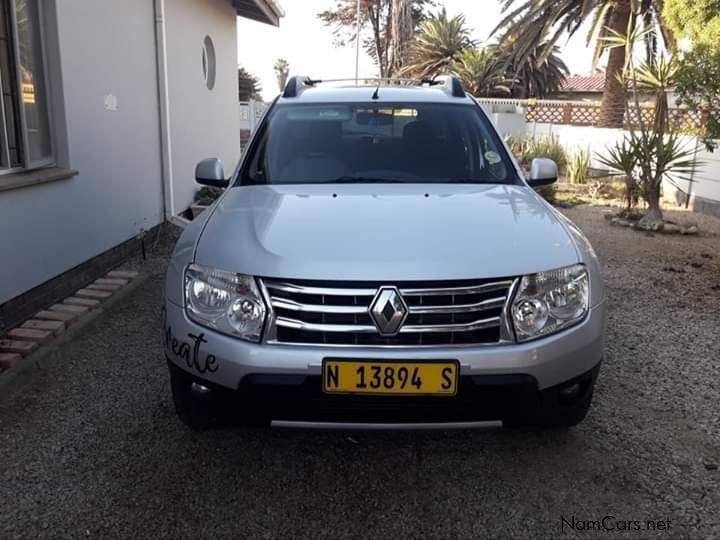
{"type": "Point", "coordinates": [203, 123]}
{"type": "Point", "coordinates": [107, 59]}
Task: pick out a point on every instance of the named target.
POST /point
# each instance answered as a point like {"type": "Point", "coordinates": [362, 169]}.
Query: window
{"type": "Point", "coordinates": [25, 139]}
{"type": "Point", "coordinates": [208, 62]}
{"type": "Point", "coordinates": [362, 142]}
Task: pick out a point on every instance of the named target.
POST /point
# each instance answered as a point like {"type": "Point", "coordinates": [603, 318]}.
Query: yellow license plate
{"type": "Point", "coordinates": [390, 378]}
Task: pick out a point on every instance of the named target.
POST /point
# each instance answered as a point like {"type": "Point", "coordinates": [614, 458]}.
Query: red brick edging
{"type": "Point", "coordinates": [48, 324]}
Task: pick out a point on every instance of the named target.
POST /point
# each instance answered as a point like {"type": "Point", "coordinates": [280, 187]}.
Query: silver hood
{"type": "Point", "coordinates": [389, 233]}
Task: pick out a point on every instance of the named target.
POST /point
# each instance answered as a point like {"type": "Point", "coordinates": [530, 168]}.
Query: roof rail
{"type": "Point", "coordinates": [296, 85]}
{"type": "Point", "coordinates": [449, 83]}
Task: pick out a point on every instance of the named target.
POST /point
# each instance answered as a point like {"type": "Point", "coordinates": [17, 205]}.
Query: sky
{"type": "Point", "coordinates": [308, 45]}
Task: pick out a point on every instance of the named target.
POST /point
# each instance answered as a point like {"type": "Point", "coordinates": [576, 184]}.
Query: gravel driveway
{"type": "Point", "coordinates": [90, 446]}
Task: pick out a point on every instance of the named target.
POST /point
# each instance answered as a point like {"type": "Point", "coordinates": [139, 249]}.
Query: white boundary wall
{"type": "Point", "coordinates": [704, 189]}
{"type": "Point", "coordinates": [705, 182]}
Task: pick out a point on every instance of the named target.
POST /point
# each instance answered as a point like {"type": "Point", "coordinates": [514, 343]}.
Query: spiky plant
{"type": "Point", "coordinates": [658, 77]}
{"type": "Point", "coordinates": [622, 157]}
{"type": "Point", "coordinates": [437, 46]}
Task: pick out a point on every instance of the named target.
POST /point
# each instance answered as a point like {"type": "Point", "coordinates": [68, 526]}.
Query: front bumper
{"type": "Point", "coordinates": [227, 362]}
{"type": "Point", "coordinates": [481, 401]}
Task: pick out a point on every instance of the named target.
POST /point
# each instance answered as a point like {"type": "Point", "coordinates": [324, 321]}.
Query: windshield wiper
{"type": "Point", "coordinates": [364, 180]}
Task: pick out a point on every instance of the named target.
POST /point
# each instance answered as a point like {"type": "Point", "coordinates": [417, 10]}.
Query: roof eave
{"type": "Point", "coordinates": [264, 11]}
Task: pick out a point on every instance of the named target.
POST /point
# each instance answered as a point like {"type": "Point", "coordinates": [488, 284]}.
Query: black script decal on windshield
{"type": "Point", "coordinates": [191, 353]}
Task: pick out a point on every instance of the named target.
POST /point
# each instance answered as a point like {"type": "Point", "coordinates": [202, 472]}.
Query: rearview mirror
{"type": "Point", "coordinates": [209, 172]}
{"type": "Point", "coordinates": [543, 172]}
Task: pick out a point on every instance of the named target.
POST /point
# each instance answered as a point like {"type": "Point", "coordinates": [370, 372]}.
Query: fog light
{"type": "Point", "coordinates": [199, 391]}
{"type": "Point", "coordinates": [571, 392]}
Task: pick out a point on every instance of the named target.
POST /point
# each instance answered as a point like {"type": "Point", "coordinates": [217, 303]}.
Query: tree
{"type": "Point", "coordinates": [696, 20]}
{"type": "Point", "coordinates": [282, 71]}
{"type": "Point", "coordinates": [537, 74]}
{"type": "Point", "coordinates": [698, 88]}
{"type": "Point", "coordinates": [379, 15]}
{"type": "Point", "coordinates": [403, 28]}
{"type": "Point", "coordinates": [698, 74]}
{"type": "Point", "coordinates": [532, 22]}
{"type": "Point", "coordinates": [248, 85]}
{"type": "Point", "coordinates": [648, 155]}
{"type": "Point", "coordinates": [482, 72]}
{"type": "Point", "coordinates": [437, 46]}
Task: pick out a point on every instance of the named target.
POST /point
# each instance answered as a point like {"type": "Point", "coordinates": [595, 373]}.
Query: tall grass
{"type": "Point", "coordinates": [578, 166]}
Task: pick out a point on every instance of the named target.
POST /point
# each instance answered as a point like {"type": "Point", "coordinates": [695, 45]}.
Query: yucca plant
{"type": "Point", "coordinates": [654, 155]}
{"type": "Point", "coordinates": [622, 157]}
{"type": "Point", "coordinates": [437, 46]}
{"type": "Point", "coordinates": [660, 157]}
{"type": "Point", "coordinates": [658, 77]}
{"type": "Point", "coordinates": [647, 158]}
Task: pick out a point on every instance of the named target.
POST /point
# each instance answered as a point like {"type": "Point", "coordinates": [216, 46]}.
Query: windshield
{"type": "Point", "coordinates": [366, 143]}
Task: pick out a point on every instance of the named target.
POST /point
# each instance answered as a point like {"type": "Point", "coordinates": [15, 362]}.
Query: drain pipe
{"type": "Point", "coordinates": [164, 108]}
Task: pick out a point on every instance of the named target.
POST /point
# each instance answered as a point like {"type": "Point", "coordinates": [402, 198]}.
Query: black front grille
{"type": "Point", "coordinates": [338, 313]}
{"type": "Point", "coordinates": [478, 399]}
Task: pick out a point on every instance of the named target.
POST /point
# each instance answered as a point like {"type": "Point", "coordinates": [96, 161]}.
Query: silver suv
{"type": "Point", "coordinates": [379, 260]}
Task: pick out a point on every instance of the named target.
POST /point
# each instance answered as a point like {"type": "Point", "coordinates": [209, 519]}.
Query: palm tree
{"type": "Point", "coordinates": [402, 30]}
{"type": "Point", "coordinates": [537, 74]}
{"type": "Point", "coordinates": [482, 72]}
{"type": "Point", "coordinates": [531, 21]}
{"type": "Point", "coordinates": [249, 86]}
{"type": "Point", "coordinates": [437, 46]}
{"type": "Point", "coordinates": [282, 71]}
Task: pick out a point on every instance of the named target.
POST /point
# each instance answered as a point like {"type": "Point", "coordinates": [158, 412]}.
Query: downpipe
{"type": "Point", "coordinates": [164, 111]}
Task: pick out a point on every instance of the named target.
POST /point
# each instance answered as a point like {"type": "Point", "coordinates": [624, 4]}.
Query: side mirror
{"type": "Point", "coordinates": [543, 172]}
{"type": "Point", "coordinates": [209, 172]}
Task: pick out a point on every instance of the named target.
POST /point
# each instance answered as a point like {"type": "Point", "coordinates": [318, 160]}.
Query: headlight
{"type": "Point", "coordinates": [550, 301]}
{"type": "Point", "coordinates": [227, 302]}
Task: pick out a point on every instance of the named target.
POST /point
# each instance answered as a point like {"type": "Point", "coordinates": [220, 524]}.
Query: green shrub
{"type": "Point", "coordinates": [527, 149]}
{"type": "Point", "coordinates": [206, 195]}
{"type": "Point", "coordinates": [545, 147]}
{"type": "Point", "coordinates": [547, 192]}
{"type": "Point", "coordinates": [578, 165]}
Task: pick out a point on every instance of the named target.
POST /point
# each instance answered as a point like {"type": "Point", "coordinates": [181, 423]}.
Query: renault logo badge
{"type": "Point", "coordinates": [388, 311]}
